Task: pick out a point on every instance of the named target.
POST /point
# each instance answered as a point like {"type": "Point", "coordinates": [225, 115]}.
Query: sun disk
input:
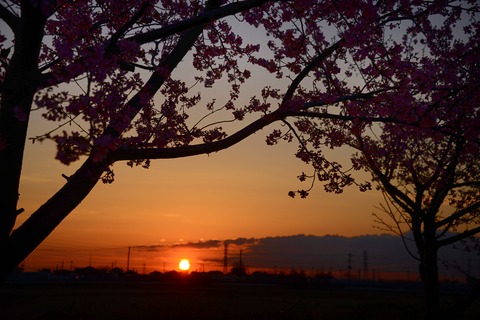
{"type": "Point", "coordinates": [184, 265]}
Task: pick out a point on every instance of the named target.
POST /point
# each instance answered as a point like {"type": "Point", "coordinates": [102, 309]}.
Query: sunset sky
{"type": "Point", "coordinates": [239, 192]}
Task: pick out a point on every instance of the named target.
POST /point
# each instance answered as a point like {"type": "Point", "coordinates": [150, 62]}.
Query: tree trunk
{"type": "Point", "coordinates": [23, 71]}
{"type": "Point", "coordinates": [429, 274]}
{"type": "Point", "coordinates": [18, 89]}
{"type": "Point", "coordinates": [43, 221]}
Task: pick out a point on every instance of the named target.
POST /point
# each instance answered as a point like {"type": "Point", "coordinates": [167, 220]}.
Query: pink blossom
{"type": "Point", "coordinates": [102, 145]}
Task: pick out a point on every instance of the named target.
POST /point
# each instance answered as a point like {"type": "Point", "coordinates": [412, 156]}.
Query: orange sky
{"type": "Point", "coordinates": [240, 192]}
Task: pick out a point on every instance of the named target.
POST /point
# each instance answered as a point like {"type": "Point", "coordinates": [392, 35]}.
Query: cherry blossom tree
{"type": "Point", "coordinates": [432, 193]}
{"type": "Point", "coordinates": [425, 155]}
{"type": "Point", "coordinates": [96, 70]}
{"type": "Point", "coordinates": [105, 78]}
{"type": "Point", "coordinates": [430, 178]}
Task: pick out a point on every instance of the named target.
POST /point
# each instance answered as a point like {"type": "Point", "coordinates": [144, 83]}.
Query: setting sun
{"type": "Point", "coordinates": [184, 265]}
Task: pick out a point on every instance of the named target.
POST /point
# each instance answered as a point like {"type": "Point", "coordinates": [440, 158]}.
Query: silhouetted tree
{"type": "Point", "coordinates": [426, 161]}
{"type": "Point", "coordinates": [104, 76]}
{"type": "Point", "coordinates": [431, 183]}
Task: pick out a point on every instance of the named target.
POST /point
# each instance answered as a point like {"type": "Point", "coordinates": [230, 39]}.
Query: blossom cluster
{"type": "Point", "coordinates": [346, 71]}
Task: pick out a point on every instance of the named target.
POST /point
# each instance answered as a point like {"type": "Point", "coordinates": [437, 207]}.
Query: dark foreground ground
{"type": "Point", "coordinates": [207, 301]}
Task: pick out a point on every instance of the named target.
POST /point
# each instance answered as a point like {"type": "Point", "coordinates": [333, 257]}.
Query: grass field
{"type": "Point", "coordinates": [212, 301]}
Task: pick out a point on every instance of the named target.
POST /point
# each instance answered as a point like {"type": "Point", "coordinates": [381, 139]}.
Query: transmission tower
{"type": "Point", "coordinates": [365, 264]}
{"type": "Point", "coordinates": [349, 267]}
{"type": "Point", "coordinates": [225, 258]}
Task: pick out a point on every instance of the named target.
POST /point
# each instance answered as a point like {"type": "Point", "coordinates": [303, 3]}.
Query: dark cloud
{"type": "Point", "coordinates": [241, 241]}
{"type": "Point", "coordinates": [200, 245]}
{"type": "Point", "coordinates": [379, 252]}
{"type": "Point", "coordinates": [216, 243]}
{"type": "Point", "coordinates": [150, 248]}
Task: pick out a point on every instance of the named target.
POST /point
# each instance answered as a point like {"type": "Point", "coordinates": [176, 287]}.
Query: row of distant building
{"type": "Point", "coordinates": [238, 274]}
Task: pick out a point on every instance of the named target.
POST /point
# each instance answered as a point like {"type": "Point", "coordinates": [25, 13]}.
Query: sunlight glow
{"type": "Point", "coordinates": [184, 265]}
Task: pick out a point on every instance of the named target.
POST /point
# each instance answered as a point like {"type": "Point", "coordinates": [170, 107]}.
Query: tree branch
{"type": "Point", "coordinates": [49, 79]}
{"type": "Point", "coordinates": [10, 19]}
{"type": "Point", "coordinates": [458, 237]}
{"type": "Point", "coordinates": [156, 80]}
{"type": "Point", "coordinates": [309, 67]}
{"type": "Point", "coordinates": [446, 185]}
{"type": "Point", "coordinates": [124, 28]}
{"type": "Point", "coordinates": [402, 199]}
{"type": "Point", "coordinates": [466, 184]}
{"type": "Point", "coordinates": [130, 153]}
{"type": "Point", "coordinates": [45, 219]}
{"type": "Point", "coordinates": [333, 116]}
{"type": "Point", "coordinates": [457, 215]}
{"type": "Point", "coordinates": [206, 17]}
{"type": "Point", "coordinates": [127, 153]}
{"type": "Point", "coordinates": [348, 97]}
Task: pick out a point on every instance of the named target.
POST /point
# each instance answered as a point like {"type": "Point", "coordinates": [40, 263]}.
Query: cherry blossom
{"type": "Point", "coordinates": [397, 80]}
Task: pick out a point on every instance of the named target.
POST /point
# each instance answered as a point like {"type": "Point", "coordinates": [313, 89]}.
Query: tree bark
{"type": "Point", "coordinates": [19, 87]}
{"type": "Point", "coordinates": [429, 273]}
{"type": "Point", "coordinates": [42, 222]}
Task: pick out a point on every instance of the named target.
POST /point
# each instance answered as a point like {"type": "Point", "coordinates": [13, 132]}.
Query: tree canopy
{"type": "Point", "coordinates": [381, 76]}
